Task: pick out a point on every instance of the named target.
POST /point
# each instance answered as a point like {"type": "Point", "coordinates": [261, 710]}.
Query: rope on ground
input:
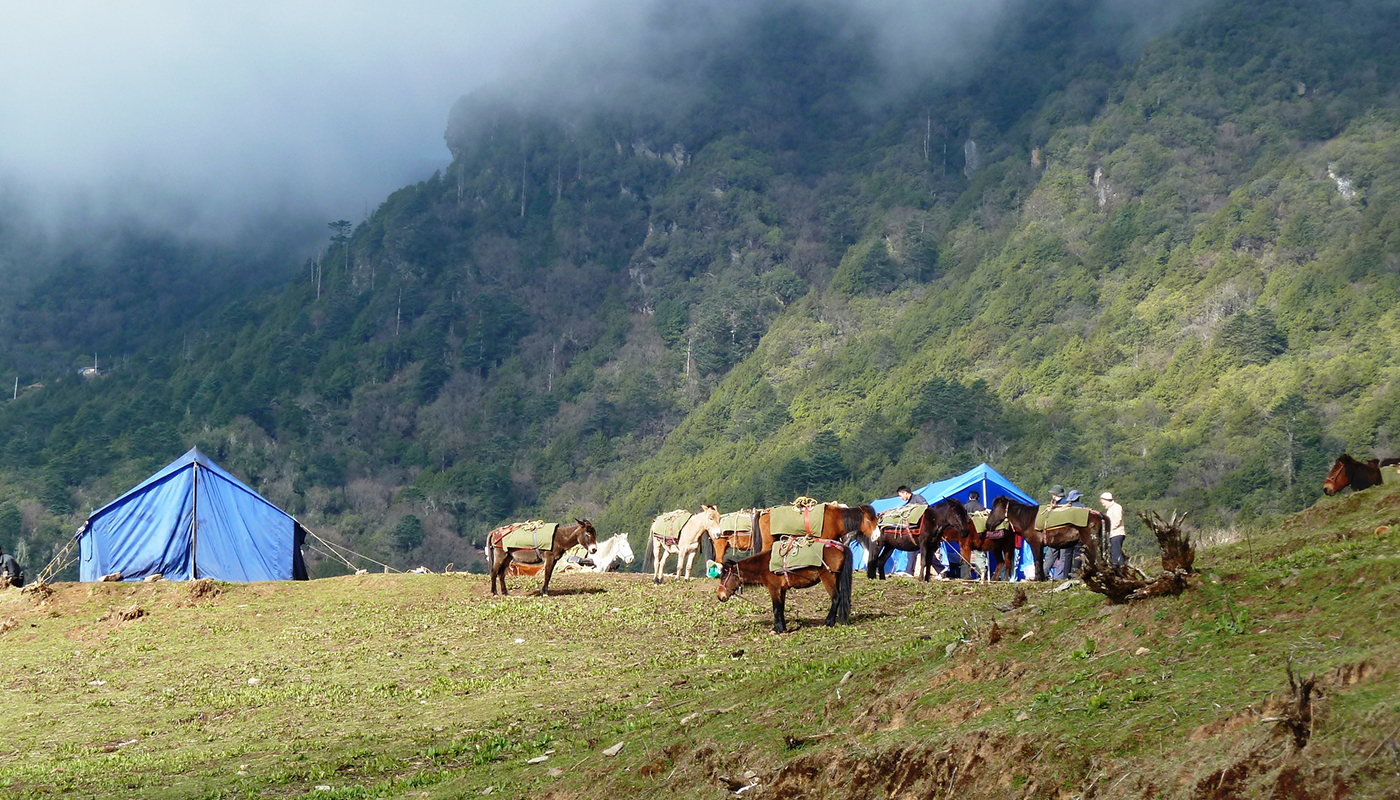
{"type": "Point", "coordinates": [330, 554]}
{"type": "Point", "coordinates": [337, 548]}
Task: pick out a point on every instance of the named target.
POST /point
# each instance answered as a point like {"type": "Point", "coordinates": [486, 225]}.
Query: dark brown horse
{"type": "Point", "coordinates": [565, 537]}
{"type": "Point", "coordinates": [838, 522]}
{"type": "Point", "coordinates": [944, 521]}
{"type": "Point", "coordinates": [834, 574]}
{"type": "Point", "coordinates": [1021, 518]}
{"type": "Point", "coordinates": [1347, 471]}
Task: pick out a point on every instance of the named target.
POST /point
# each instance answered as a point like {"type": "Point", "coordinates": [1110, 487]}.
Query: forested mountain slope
{"type": "Point", "coordinates": [1171, 272]}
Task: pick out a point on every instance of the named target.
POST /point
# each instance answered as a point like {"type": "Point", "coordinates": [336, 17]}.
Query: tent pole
{"type": "Point", "coordinates": [194, 528]}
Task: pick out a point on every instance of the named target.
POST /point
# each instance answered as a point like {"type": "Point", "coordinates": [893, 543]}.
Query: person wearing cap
{"type": "Point", "coordinates": [1116, 532]}
{"type": "Point", "coordinates": [1057, 495]}
{"type": "Point", "coordinates": [1074, 498]}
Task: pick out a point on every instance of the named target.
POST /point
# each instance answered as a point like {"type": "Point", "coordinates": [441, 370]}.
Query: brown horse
{"type": "Point", "coordinates": [838, 522]}
{"type": "Point", "coordinates": [1002, 547]}
{"type": "Point", "coordinates": [565, 537]}
{"type": "Point", "coordinates": [720, 543]}
{"type": "Point", "coordinates": [1347, 471]}
{"type": "Point", "coordinates": [834, 574]}
{"type": "Point", "coordinates": [944, 521]}
{"type": "Point", "coordinates": [1021, 518]}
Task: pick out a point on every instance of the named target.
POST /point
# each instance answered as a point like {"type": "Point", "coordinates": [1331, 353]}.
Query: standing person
{"type": "Point", "coordinates": [10, 568]}
{"type": "Point", "coordinates": [1055, 564]}
{"type": "Point", "coordinates": [910, 498]}
{"type": "Point", "coordinates": [974, 503]}
{"type": "Point", "coordinates": [1076, 549]}
{"type": "Point", "coordinates": [974, 506]}
{"type": "Point", "coordinates": [1116, 532]}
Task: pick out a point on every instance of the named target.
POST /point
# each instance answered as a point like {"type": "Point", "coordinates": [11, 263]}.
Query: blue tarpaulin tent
{"type": "Point", "coordinates": [989, 483]}
{"type": "Point", "coordinates": [192, 520]}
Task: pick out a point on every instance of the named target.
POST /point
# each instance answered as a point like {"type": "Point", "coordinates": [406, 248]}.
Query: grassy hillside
{"type": "Point", "coordinates": [424, 686]}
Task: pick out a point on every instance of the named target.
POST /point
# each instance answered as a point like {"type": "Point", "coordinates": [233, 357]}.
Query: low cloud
{"type": "Point", "coordinates": [206, 118]}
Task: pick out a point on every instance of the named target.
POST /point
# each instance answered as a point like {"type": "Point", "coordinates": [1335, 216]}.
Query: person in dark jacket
{"type": "Point", "coordinates": [910, 497]}
{"type": "Point", "coordinates": [974, 503]}
{"type": "Point", "coordinates": [10, 568]}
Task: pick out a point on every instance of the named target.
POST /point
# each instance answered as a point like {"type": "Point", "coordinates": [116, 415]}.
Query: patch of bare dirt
{"type": "Point", "coordinates": [204, 589]}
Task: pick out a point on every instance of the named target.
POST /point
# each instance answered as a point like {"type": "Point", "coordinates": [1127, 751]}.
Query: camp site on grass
{"type": "Point", "coordinates": [191, 520]}
{"type": "Point", "coordinates": [983, 479]}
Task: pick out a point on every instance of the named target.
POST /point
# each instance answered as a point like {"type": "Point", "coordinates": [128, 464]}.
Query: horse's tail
{"type": "Point", "coordinates": [857, 536]}
{"type": "Point", "coordinates": [843, 587]}
{"type": "Point", "coordinates": [647, 558]}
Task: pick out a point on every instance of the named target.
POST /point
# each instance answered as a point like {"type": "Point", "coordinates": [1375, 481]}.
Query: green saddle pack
{"type": "Point", "coordinates": [797, 553]}
{"type": "Point", "coordinates": [669, 525]}
{"type": "Point", "coordinates": [790, 521]}
{"type": "Point", "coordinates": [1390, 475]}
{"type": "Point", "coordinates": [903, 517]}
{"type": "Point", "coordinates": [736, 522]}
{"type": "Point", "coordinates": [1048, 517]}
{"type": "Point", "coordinates": [532, 535]}
{"type": "Point", "coordinates": [979, 522]}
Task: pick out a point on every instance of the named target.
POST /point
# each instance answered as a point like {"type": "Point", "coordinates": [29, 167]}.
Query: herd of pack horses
{"type": "Point", "coordinates": [947, 521]}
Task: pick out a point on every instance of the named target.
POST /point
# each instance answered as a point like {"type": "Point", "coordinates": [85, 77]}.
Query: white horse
{"type": "Point", "coordinates": [610, 551]}
{"type": "Point", "coordinates": [685, 545]}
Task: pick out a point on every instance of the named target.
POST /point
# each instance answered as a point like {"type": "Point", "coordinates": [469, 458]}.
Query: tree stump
{"type": "Point", "coordinates": [1122, 583]}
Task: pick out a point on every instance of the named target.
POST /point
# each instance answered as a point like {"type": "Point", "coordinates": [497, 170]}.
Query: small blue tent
{"type": "Point", "coordinates": [192, 520]}
{"type": "Point", "coordinates": [989, 483]}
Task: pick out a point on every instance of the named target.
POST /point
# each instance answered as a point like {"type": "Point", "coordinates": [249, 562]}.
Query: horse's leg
{"type": "Point", "coordinates": [1038, 553]}
{"type": "Point", "coordinates": [503, 563]}
{"type": "Point", "coordinates": [779, 596]}
{"type": "Point", "coordinates": [658, 555]}
{"type": "Point", "coordinates": [549, 560]}
{"type": "Point", "coordinates": [872, 556]}
{"type": "Point", "coordinates": [829, 582]}
{"type": "Point", "coordinates": [685, 560]}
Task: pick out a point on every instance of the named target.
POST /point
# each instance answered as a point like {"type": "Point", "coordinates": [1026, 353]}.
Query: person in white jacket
{"type": "Point", "coordinates": [1116, 532]}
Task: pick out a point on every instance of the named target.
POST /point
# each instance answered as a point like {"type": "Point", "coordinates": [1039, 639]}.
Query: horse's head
{"type": "Point", "coordinates": [728, 581]}
{"type": "Point", "coordinates": [1338, 479]}
{"type": "Point", "coordinates": [587, 535]}
{"type": "Point", "coordinates": [624, 549]}
{"type": "Point", "coordinates": [710, 518]}
{"type": "Point", "coordinates": [998, 513]}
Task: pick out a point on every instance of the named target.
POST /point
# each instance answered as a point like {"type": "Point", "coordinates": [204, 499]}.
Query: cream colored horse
{"type": "Point", "coordinates": [687, 542]}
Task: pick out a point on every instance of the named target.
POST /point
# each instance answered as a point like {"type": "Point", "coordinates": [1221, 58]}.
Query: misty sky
{"type": "Point", "coordinates": [192, 113]}
{"type": "Point", "coordinates": [203, 116]}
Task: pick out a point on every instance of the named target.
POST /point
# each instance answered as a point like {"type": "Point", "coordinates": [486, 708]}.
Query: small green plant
{"type": "Point", "coordinates": [1086, 650]}
{"type": "Point", "coordinates": [1230, 621]}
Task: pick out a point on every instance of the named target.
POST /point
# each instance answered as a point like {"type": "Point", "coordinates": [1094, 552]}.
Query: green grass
{"type": "Point", "coordinates": [411, 686]}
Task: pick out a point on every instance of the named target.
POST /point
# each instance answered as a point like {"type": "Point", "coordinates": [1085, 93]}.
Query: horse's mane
{"type": "Point", "coordinates": [851, 518]}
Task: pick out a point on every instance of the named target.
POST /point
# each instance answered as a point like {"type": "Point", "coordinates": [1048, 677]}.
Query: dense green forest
{"type": "Point", "coordinates": [1170, 271]}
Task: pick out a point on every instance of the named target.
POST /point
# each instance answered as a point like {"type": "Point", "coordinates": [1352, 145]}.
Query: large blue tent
{"type": "Point", "coordinates": [192, 520]}
{"type": "Point", "coordinates": [989, 483]}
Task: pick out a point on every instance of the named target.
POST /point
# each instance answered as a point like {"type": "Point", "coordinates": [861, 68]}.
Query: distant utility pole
{"type": "Point", "coordinates": [16, 397]}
